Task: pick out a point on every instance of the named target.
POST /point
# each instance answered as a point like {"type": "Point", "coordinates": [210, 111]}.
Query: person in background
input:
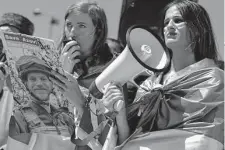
{"type": "Point", "coordinates": [116, 46]}
{"type": "Point", "coordinates": [185, 103]}
{"type": "Point", "coordinates": [16, 23]}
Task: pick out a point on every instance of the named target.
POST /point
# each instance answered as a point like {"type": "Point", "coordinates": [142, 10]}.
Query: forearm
{"type": "Point", "coordinates": [123, 128]}
{"type": "Point", "coordinates": [79, 101]}
{"type": "Point", "coordinates": [79, 106]}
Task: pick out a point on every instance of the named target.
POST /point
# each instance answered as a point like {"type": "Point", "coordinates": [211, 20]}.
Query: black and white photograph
{"type": "Point", "coordinates": [112, 75]}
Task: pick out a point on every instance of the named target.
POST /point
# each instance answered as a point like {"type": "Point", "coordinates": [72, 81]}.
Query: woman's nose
{"type": "Point", "coordinates": [73, 32]}
{"type": "Point", "coordinates": [171, 24]}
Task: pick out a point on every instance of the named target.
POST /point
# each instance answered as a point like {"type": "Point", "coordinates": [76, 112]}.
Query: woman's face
{"type": "Point", "coordinates": [79, 27]}
{"type": "Point", "coordinates": [175, 29]}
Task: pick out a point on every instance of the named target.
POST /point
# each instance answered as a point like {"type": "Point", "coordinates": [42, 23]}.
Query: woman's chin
{"type": "Point", "coordinates": [171, 43]}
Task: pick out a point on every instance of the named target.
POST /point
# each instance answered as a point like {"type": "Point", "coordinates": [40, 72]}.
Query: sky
{"type": "Point", "coordinates": [112, 8]}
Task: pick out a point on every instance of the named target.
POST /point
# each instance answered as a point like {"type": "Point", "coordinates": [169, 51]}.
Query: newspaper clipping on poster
{"type": "Point", "coordinates": [17, 45]}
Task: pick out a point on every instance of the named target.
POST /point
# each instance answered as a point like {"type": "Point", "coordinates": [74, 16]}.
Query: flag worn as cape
{"type": "Point", "coordinates": [185, 113]}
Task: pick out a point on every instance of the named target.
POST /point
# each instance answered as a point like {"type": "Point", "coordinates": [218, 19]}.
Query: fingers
{"type": "Point", "coordinates": [72, 52]}
{"type": "Point", "coordinates": [64, 80]}
{"type": "Point", "coordinates": [59, 76]}
{"type": "Point", "coordinates": [72, 44]}
{"type": "Point", "coordinates": [111, 101]}
{"type": "Point", "coordinates": [111, 96]}
{"type": "Point", "coordinates": [70, 77]}
{"type": "Point", "coordinates": [75, 55]}
{"type": "Point", "coordinates": [59, 84]}
{"type": "Point", "coordinates": [68, 46]}
{"type": "Point", "coordinates": [111, 91]}
{"type": "Point", "coordinates": [113, 86]}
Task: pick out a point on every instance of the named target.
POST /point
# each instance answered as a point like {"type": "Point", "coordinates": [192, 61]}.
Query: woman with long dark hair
{"type": "Point", "coordinates": [185, 103]}
{"type": "Point", "coordinates": [84, 46]}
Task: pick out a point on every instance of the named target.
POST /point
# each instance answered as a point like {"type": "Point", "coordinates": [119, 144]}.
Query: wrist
{"type": "Point", "coordinates": [121, 116]}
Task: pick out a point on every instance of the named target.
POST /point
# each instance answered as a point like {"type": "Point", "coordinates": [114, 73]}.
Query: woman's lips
{"type": "Point", "coordinates": [171, 35]}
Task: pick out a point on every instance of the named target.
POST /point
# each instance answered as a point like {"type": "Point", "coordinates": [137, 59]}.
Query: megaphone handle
{"type": "Point", "coordinates": [118, 105]}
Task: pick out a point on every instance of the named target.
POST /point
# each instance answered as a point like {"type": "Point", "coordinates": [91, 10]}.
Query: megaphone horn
{"type": "Point", "coordinates": [144, 50]}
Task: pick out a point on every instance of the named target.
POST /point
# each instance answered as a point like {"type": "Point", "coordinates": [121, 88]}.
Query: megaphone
{"type": "Point", "coordinates": [144, 50]}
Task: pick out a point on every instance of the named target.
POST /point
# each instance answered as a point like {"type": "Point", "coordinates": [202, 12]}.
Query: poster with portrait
{"type": "Point", "coordinates": [17, 45]}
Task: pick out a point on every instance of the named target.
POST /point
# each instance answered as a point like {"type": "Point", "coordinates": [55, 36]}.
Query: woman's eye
{"type": "Point", "coordinates": [178, 20]}
{"type": "Point", "coordinates": [82, 26]}
{"type": "Point", "coordinates": [69, 25]}
{"type": "Point", "coordinates": [166, 23]}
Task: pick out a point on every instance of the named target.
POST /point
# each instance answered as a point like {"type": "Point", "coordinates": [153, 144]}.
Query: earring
{"type": "Point", "coordinates": [191, 47]}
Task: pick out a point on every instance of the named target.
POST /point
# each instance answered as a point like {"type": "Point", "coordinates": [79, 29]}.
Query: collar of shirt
{"type": "Point", "coordinates": [45, 105]}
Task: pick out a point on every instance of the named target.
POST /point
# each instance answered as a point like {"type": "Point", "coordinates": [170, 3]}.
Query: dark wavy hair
{"type": "Point", "coordinates": [98, 16]}
{"type": "Point", "coordinates": [199, 26]}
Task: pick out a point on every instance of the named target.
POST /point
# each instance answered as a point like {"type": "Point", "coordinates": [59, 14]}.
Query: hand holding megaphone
{"type": "Point", "coordinates": [113, 99]}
